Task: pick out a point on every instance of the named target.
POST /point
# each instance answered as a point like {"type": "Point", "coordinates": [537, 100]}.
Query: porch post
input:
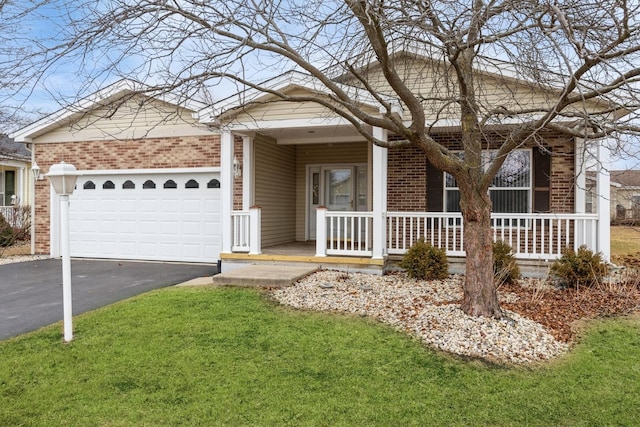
{"type": "Point", "coordinates": [379, 195]}
{"type": "Point", "coordinates": [321, 231]}
{"type": "Point", "coordinates": [581, 173]}
{"type": "Point", "coordinates": [255, 236]}
{"type": "Point", "coordinates": [226, 185]}
{"type": "Point", "coordinates": [604, 200]}
{"type": "Point", "coordinates": [248, 197]}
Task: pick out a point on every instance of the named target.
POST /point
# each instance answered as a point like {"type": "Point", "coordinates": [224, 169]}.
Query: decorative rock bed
{"type": "Point", "coordinates": [430, 311]}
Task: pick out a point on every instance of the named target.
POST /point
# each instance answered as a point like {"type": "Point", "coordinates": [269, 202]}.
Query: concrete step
{"type": "Point", "coordinates": [263, 275]}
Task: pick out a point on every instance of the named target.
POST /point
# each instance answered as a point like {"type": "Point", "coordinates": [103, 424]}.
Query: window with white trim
{"type": "Point", "coordinates": [510, 190]}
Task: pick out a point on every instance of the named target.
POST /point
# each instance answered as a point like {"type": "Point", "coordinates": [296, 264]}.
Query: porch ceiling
{"type": "Point", "coordinates": [312, 134]}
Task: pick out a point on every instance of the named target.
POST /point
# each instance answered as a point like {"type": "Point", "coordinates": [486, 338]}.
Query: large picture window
{"type": "Point", "coordinates": [510, 190]}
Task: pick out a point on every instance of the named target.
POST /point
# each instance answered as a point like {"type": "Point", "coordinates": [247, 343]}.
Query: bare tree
{"type": "Point", "coordinates": [580, 56]}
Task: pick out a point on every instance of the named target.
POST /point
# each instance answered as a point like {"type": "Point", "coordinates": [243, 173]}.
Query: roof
{"type": "Point", "coordinates": [9, 149]}
{"type": "Point", "coordinates": [112, 92]}
{"type": "Point", "coordinates": [282, 83]}
{"type": "Point", "coordinates": [626, 178]}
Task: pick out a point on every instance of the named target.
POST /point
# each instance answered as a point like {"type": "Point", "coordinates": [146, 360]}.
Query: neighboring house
{"type": "Point", "coordinates": [15, 177]}
{"type": "Point", "coordinates": [164, 179]}
{"type": "Point", "coordinates": [625, 196]}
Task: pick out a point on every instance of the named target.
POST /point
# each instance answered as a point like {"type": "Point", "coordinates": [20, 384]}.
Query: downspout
{"type": "Point", "coordinates": [32, 178]}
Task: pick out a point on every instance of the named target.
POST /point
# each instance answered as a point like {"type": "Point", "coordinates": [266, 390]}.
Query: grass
{"type": "Point", "coordinates": [625, 240]}
{"type": "Point", "coordinates": [227, 356]}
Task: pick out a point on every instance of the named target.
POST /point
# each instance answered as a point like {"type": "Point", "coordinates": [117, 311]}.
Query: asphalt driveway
{"type": "Point", "coordinates": [31, 292]}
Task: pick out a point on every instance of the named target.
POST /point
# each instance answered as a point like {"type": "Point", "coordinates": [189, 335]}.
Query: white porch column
{"type": "Point", "coordinates": [248, 196]}
{"type": "Point", "coordinates": [321, 231]}
{"type": "Point", "coordinates": [255, 230]}
{"type": "Point", "coordinates": [379, 195]}
{"type": "Point", "coordinates": [604, 200]}
{"type": "Point", "coordinates": [20, 190]}
{"type": "Point", "coordinates": [581, 174]}
{"type": "Point", "coordinates": [226, 185]}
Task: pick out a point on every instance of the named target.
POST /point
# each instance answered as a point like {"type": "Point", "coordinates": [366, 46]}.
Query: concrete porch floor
{"type": "Point", "coordinates": [300, 254]}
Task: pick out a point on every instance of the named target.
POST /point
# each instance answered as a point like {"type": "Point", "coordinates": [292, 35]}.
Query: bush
{"type": "Point", "coordinates": [6, 232]}
{"type": "Point", "coordinates": [505, 267]}
{"type": "Point", "coordinates": [424, 262]}
{"type": "Point", "coordinates": [581, 268]}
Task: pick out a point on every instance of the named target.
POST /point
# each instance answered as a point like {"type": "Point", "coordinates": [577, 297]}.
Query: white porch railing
{"type": "Point", "coordinates": [532, 236]}
{"type": "Point", "coordinates": [346, 233]}
{"type": "Point", "coordinates": [439, 229]}
{"type": "Point", "coordinates": [246, 231]}
{"type": "Point", "coordinates": [240, 232]}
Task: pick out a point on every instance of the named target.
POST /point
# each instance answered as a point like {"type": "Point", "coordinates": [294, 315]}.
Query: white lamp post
{"type": "Point", "coordinates": [63, 178]}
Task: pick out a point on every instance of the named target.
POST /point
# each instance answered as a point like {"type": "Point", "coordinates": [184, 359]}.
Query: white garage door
{"type": "Point", "coordinates": [168, 216]}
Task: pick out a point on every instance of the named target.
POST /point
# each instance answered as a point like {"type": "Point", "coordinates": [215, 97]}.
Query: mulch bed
{"type": "Point", "coordinates": [560, 309]}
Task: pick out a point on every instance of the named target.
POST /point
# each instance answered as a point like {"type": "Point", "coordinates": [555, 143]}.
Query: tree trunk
{"type": "Point", "coordinates": [480, 295]}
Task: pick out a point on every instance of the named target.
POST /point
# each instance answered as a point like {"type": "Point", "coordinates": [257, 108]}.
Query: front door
{"type": "Point", "coordinates": [339, 188]}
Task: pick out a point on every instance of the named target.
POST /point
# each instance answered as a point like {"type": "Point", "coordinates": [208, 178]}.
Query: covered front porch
{"type": "Point", "coordinates": [348, 243]}
{"type": "Point", "coordinates": [369, 234]}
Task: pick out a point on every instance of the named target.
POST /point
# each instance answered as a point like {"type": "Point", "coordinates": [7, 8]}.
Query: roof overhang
{"type": "Point", "coordinates": [228, 108]}
{"type": "Point", "coordinates": [100, 98]}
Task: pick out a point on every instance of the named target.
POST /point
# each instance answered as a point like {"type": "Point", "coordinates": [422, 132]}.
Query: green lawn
{"type": "Point", "coordinates": [625, 240]}
{"type": "Point", "coordinates": [227, 356]}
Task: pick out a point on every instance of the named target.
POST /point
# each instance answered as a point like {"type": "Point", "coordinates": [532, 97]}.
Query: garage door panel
{"type": "Point", "coordinates": [128, 227]}
{"type": "Point", "coordinates": [149, 205]}
{"type": "Point", "coordinates": [170, 229]}
{"type": "Point", "coordinates": [128, 205]}
{"type": "Point", "coordinates": [128, 248]}
{"type": "Point", "coordinates": [181, 224]}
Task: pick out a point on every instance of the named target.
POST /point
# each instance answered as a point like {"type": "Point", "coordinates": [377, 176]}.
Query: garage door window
{"type": "Point", "coordinates": [149, 184]}
{"type": "Point", "coordinates": [128, 185]}
{"type": "Point", "coordinates": [108, 185]}
{"type": "Point", "coordinates": [170, 184]}
{"type": "Point", "coordinates": [192, 183]}
{"type": "Point", "coordinates": [89, 185]}
{"type": "Point", "coordinates": [214, 183]}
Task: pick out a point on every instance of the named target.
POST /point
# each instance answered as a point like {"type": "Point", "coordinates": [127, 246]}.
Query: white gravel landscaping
{"type": "Point", "coordinates": [428, 310]}
{"type": "Point", "coordinates": [21, 258]}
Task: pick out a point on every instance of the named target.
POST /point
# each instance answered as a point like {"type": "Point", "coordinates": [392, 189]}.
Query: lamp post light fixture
{"type": "Point", "coordinates": [36, 171]}
{"type": "Point", "coordinates": [237, 168]}
{"type": "Point", "coordinates": [63, 178]}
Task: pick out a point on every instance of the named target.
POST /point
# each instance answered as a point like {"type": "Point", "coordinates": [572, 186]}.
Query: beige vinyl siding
{"type": "Point", "coordinates": [133, 119]}
{"type": "Point", "coordinates": [274, 110]}
{"type": "Point", "coordinates": [275, 178]}
{"type": "Point", "coordinates": [321, 154]}
{"type": "Point", "coordinates": [427, 78]}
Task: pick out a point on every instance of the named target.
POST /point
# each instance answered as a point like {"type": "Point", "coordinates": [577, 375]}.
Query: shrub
{"type": "Point", "coordinates": [6, 232]}
{"type": "Point", "coordinates": [423, 261]}
{"type": "Point", "coordinates": [581, 268]}
{"type": "Point", "coordinates": [505, 267]}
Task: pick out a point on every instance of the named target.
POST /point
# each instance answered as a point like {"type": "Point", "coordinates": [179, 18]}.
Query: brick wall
{"type": "Point", "coordinates": [562, 174]}
{"type": "Point", "coordinates": [152, 153]}
{"type": "Point", "coordinates": [407, 178]}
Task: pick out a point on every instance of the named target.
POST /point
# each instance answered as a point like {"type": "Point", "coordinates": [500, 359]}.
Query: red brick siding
{"type": "Point", "coordinates": [407, 177]}
{"type": "Point", "coordinates": [562, 175]}
{"type": "Point", "coordinates": [406, 180]}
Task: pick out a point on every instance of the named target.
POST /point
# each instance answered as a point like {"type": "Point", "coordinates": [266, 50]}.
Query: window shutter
{"type": "Point", "coordinates": [435, 186]}
{"type": "Point", "coordinates": [541, 180]}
